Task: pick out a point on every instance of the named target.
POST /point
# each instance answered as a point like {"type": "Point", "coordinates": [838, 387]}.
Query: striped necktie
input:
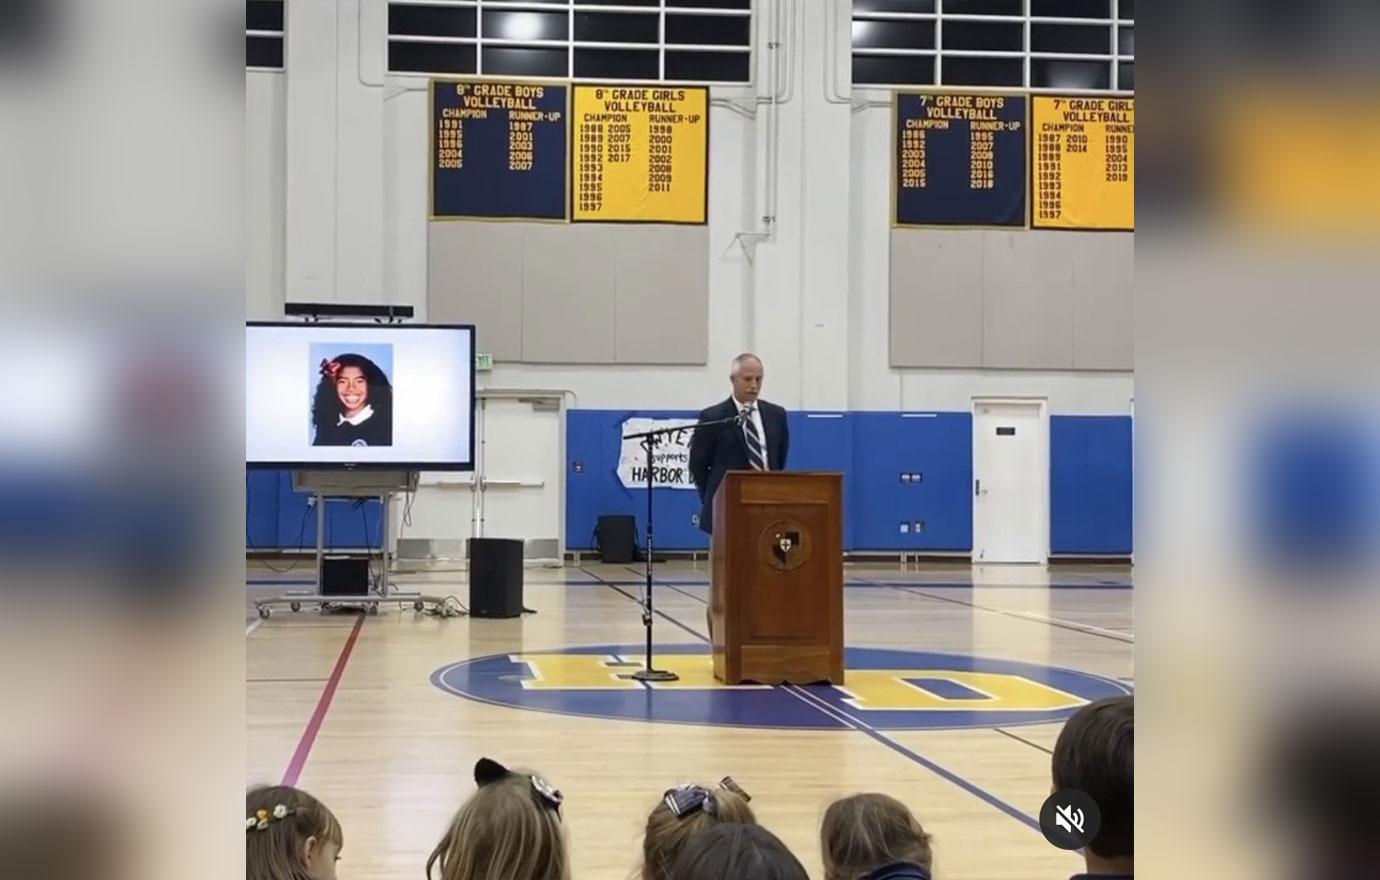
{"type": "Point", "coordinates": [756, 455]}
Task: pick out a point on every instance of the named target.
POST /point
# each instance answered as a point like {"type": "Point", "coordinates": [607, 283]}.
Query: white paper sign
{"type": "Point", "coordinates": [670, 457]}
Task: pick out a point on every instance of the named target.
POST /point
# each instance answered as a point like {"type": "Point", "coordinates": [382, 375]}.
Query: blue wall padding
{"type": "Point", "coordinates": [1090, 484]}
{"type": "Point", "coordinates": [823, 441]}
{"type": "Point", "coordinates": [278, 518]}
{"type": "Point", "coordinates": [871, 449]}
{"type": "Point", "coordinates": [261, 509]}
{"type": "Point", "coordinates": [938, 447]}
{"type": "Point", "coordinates": [592, 442]}
{"type": "Point", "coordinates": [1313, 499]}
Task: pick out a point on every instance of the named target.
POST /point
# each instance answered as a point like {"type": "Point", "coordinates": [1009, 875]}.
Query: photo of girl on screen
{"type": "Point", "coordinates": [353, 405]}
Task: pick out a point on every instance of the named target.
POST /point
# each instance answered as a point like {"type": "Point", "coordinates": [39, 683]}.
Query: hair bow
{"type": "Point", "coordinates": [686, 799]}
{"type": "Point", "coordinates": [330, 368]}
{"type": "Point", "coordinates": [487, 770]}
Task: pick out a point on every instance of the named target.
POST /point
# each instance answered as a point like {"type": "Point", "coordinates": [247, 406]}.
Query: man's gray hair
{"type": "Point", "coordinates": [740, 360]}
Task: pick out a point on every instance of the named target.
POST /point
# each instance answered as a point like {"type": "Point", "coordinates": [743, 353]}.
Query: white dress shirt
{"type": "Point", "coordinates": [358, 418]}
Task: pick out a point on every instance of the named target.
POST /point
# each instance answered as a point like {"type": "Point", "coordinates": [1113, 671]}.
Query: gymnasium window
{"type": "Point", "coordinates": [701, 41]}
{"type": "Point", "coordinates": [1039, 45]}
{"type": "Point", "coordinates": [263, 34]}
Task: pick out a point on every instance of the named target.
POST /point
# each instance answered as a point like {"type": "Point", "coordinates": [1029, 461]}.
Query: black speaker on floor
{"type": "Point", "coordinates": [495, 577]}
{"type": "Point", "coordinates": [345, 576]}
{"type": "Point", "coordinates": [616, 538]}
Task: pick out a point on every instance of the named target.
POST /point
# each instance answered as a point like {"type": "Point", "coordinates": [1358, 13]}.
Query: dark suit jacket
{"type": "Point", "coordinates": [722, 448]}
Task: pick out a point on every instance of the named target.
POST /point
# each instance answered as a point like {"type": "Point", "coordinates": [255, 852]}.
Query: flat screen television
{"type": "Point", "coordinates": [341, 395]}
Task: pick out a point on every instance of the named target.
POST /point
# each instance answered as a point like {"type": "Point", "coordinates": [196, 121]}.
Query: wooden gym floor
{"type": "Point", "coordinates": [383, 716]}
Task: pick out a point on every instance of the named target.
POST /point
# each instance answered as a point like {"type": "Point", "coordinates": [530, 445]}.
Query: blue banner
{"type": "Point", "coordinates": [960, 160]}
{"type": "Point", "coordinates": [498, 149]}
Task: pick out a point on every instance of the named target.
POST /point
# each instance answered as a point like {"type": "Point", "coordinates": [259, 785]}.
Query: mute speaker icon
{"type": "Point", "coordinates": [1069, 818]}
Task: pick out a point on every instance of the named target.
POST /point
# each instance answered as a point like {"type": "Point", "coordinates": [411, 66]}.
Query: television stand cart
{"type": "Point", "coordinates": [349, 485]}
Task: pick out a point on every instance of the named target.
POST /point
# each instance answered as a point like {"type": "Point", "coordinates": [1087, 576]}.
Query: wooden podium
{"type": "Point", "coordinates": [776, 595]}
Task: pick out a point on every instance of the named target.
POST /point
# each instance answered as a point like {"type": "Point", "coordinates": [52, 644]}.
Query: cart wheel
{"type": "Point", "coordinates": [295, 606]}
{"type": "Point", "coordinates": [374, 608]}
{"type": "Point", "coordinates": [264, 612]}
{"type": "Point", "coordinates": [418, 605]}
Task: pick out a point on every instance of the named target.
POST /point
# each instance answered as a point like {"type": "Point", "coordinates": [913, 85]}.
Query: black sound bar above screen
{"type": "Point", "coordinates": [347, 310]}
{"type": "Point", "coordinates": [355, 395]}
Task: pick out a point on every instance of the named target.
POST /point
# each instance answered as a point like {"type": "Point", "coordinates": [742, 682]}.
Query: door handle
{"type": "Point", "coordinates": [977, 488]}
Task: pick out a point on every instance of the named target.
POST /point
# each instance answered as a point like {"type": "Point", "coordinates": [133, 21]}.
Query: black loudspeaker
{"type": "Point", "coordinates": [495, 577]}
{"type": "Point", "coordinates": [616, 538]}
{"type": "Point", "coordinates": [345, 576]}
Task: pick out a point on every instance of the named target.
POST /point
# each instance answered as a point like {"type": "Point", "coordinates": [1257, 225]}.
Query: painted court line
{"type": "Point", "coordinates": [969, 585]}
{"type": "Point", "coordinates": [853, 723]}
{"type": "Point", "coordinates": [1114, 634]}
{"type": "Point", "coordinates": [253, 626]}
{"type": "Point", "coordinates": [863, 727]}
{"type": "Point", "coordinates": [323, 705]}
{"type": "Point", "coordinates": [1073, 626]}
{"type": "Point", "coordinates": [701, 580]}
{"type": "Point", "coordinates": [659, 613]}
{"type": "Point", "coordinates": [1033, 745]}
{"type": "Point", "coordinates": [855, 581]}
{"type": "Point", "coordinates": [698, 599]}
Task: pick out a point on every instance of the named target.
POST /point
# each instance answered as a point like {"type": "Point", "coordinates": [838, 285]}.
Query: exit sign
{"type": "Point", "coordinates": [483, 362]}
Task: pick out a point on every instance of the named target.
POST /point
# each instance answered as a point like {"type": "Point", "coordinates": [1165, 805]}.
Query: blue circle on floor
{"type": "Point", "coordinates": [883, 689]}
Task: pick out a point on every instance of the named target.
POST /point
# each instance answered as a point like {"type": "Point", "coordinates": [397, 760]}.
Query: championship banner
{"type": "Point", "coordinates": [640, 154]}
{"type": "Point", "coordinates": [670, 458]}
{"type": "Point", "coordinates": [959, 159]}
{"type": "Point", "coordinates": [1084, 150]}
{"type": "Point", "coordinates": [498, 150]}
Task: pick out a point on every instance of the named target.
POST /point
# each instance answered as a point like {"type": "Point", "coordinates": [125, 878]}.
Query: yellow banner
{"type": "Point", "coordinates": [1292, 160]}
{"type": "Point", "coordinates": [1084, 163]}
{"type": "Point", "coordinates": [640, 154]}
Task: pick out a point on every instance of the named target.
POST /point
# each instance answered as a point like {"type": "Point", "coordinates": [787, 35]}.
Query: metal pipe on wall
{"type": "Point", "coordinates": [748, 238]}
{"type": "Point", "coordinates": [831, 64]}
{"type": "Point", "coordinates": [775, 43]}
{"type": "Point", "coordinates": [829, 12]}
{"type": "Point", "coordinates": [773, 120]}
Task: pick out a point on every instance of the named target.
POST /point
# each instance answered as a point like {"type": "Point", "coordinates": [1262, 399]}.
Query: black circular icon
{"type": "Point", "coordinates": [1070, 819]}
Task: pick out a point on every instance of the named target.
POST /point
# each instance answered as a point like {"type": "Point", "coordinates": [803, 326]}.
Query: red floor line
{"type": "Point", "coordinates": [323, 705]}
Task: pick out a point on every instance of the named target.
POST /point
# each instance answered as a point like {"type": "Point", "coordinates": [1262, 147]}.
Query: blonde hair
{"type": "Point", "coordinates": [503, 832]}
{"type": "Point", "coordinates": [668, 833]}
{"type": "Point", "coordinates": [276, 851]}
{"type": "Point", "coordinates": [865, 831]}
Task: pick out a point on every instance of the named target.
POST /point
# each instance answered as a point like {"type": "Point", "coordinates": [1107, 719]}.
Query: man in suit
{"type": "Point", "coordinates": [758, 441]}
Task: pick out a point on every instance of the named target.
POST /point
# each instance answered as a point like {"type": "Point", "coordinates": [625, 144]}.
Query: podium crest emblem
{"type": "Point", "coordinates": [785, 545]}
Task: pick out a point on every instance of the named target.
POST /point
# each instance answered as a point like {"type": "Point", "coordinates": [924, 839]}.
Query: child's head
{"type": "Point", "coordinates": [1095, 754]}
{"type": "Point", "coordinates": [865, 831]}
{"type": "Point", "coordinates": [743, 852]}
{"type": "Point", "coordinates": [289, 835]}
{"type": "Point", "coordinates": [510, 828]}
{"type": "Point", "coordinates": [683, 812]}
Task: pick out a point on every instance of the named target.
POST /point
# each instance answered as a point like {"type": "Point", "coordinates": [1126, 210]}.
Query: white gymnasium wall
{"type": "Point", "coordinates": [337, 212]}
{"type": "Point", "coordinates": [873, 384]}
{"type": "Point", "coordinates": [265, 151]}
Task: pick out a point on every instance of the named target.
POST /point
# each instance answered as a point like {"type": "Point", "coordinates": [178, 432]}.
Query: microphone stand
{"type": "Point", "coordinates": [649, 441]}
